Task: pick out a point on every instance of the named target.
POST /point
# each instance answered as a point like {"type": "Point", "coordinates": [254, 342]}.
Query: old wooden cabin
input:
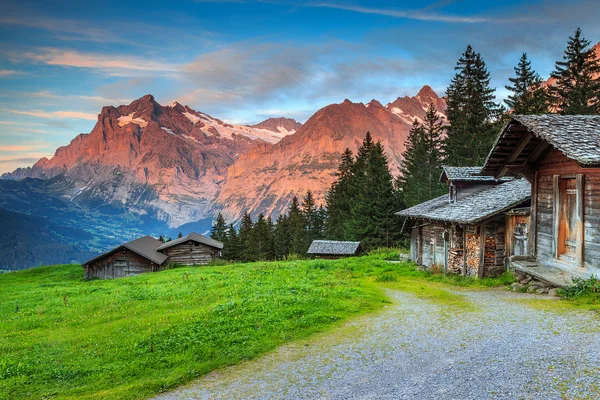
{"type": "Point", "coordinates": [464, 232]}
{"type": "Point", "coordinates": [147, 254]}
{"type": "Point", "coordinates": [560, 156]}
{"type": "Point", "coordinates": [332, 249]}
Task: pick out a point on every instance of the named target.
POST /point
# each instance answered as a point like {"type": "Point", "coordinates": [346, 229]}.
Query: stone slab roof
{"type": "Point", "coordinates": [145, 246]}
{"type": "Point", "coordinates": [474, 208]}
{"type": "Point", "coordinates": [333, 247]}
{"type": "Point", "coordinates": [466, 174]}
{"type": "Point", "coordinates": [196, 237]}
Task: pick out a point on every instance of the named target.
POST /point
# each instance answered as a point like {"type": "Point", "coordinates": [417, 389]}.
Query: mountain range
{"type": "Point", "coordinates": [146, 168]}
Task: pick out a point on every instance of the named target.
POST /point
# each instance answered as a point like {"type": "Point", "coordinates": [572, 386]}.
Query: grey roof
{"type": "Point", "coordinates": [333, 247]}
{"type": "Point", "coordinates": [145, 246]}
{"type": "Point", "coordinates": [577, 136]}
{"type": "Point", "coordinates": [196, 237]}
{"type": "Point", "coordinates": [466, 174]}
{"type": "Point", "coordinates": [475, 207]}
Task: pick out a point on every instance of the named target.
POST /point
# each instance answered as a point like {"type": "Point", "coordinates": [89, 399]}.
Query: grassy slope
{"type": "Point", "coordinates": [132, 338]}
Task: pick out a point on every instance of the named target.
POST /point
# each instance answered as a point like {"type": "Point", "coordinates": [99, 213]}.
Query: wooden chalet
{"type": "Point", "coordinates": [193, 249]}
{"type": "Point", "coordinates": [560, 156]}
{"type": "Point", "coordinates": [464, 232]}
{"type": "Point", "coordinates": [332, 249]}
{"type": "Point", "coordinates": [147, 254]}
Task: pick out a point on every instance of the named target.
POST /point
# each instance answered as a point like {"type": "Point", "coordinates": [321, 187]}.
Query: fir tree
{"type": "Point", "coordinates": [261, 239]}
{"type": "Point", "coordinates": [412, 174]}
{"type": "Point", "coordinates": [297, 229]}
{"type": "Point", "coordinates": [179, 235]}
{"type": "Point", "coordinates": [528, 95]}
{"type": "Point", "coordinates": [338, 199]}
{"type": "Point", "coordinates": [281, 237]}
{"type": "Point", "coordinates": [219, 229]}
{"type": "Point", "coordinates": [309, 212]}
{"type": "Point", "coordinates": [231, 245]}
{"type": "Point", "coordinates": [577, 88]}
{"type": "Point", "coordinates": [471, 112]}
{"type": "Point", "coordinates": [433, 130]}
{"type": "Point", "coordinates": [248, 251]}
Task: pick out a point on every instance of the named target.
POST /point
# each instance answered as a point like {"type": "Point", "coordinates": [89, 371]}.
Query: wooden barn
{"type": "Point", "coordinates": [332, 249]}
{"type": "Point", "coordinates": [193, 249]}
{"type": "Point", "coordinates": [147, 254]}
{"type": "Point", "coordinates": [131, 258]}
{"type": "Point", "coordinates": [560, 156]}
{"type": "Point", "coordinates": [464, 232]}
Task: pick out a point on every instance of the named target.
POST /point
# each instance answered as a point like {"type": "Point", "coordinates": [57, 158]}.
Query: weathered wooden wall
{"type": "Point", "coordinates": [432, 249]}
{"type": "Point", "coordinates": [556, 163]}
{"type": "Point", "coordinates": [191, 253]}
{"type": "Point", "coordinates": [119, 264]}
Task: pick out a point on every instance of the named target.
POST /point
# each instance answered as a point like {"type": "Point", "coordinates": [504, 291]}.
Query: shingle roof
{"type": "Point", "coordinates": [475, 207]}
{"type": "Point", "coordinates": [196, 237]}
{"type": "Point", "coordinates": [145, 246]}
{"type": "Point", "coordinates": [577, 136]}
{"type": "Point", "coordinates": [333, 247]}
{"type": "Point", "coordinates": [467, 174]}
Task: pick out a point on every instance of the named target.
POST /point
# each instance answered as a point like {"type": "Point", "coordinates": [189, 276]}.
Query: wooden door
{"type": "Point", "coordinates": [520, 239]}
{"type": "Point", "coordinates": [568, 219]}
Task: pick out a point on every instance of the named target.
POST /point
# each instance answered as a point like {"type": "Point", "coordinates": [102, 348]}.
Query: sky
{"type": "Point", "coordinates": [245, 61]}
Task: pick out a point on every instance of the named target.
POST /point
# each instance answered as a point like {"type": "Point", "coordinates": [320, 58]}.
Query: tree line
{"type": "Point", "coordinates": [361, 202]}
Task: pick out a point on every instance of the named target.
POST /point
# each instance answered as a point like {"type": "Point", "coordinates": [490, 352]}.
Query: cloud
{"type": "Point", "coordinates": [19, 147]}
{"type": "Point", "coordinates": [57, 114]}
{"type": "Point", "coordinates": [117, 65]}
{"type": "Point", "coordinates": [21, 160]}
{"type": "Point", "coordinates": [422, 15]}
{"type": "Point", "coordinates": [9, 72]}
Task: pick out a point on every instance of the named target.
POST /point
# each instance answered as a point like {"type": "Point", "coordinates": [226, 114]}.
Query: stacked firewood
{"type": "Point", "coordinates": [455, 261]}
{"type": "Point", "coordinates": [490, 250]}
{"type": "Point", "coordinates": [472, 254]}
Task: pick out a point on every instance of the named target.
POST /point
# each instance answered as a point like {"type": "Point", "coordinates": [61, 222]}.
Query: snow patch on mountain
{"type": "Point", "coordinates": [129, 119]}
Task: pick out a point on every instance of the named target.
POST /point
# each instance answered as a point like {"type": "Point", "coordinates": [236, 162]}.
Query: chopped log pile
{"type": "Point", "coordinates": [472, 254]}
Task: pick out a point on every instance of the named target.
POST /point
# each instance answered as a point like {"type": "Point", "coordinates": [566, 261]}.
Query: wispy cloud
{"type": "Point", "coordinates": [422, 15]}
{"type": "Point", "coordinates": [9, 72]}
{"type": "Point", "coordinates": [20, 147]}
{"type": "Point", "coordinates": [57, 114]}
{"type": "Point", "coordinates": [113, 64]}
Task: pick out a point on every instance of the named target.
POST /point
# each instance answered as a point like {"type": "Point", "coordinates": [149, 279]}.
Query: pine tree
{"type": "Point", "coordinates": [179, 235]}
{"type": "Point", "coordinates": [309, 212]}
{"type": "Point", "coordinates": [338, 199]}
{"type": "Point", "coordinates": [433, 130]}
{"type": "Point", "coordinates": [261, 239]}
{"type": "Point", "coordinates": [248, 251]}
{"type": "Point", "coordinates": [297, 229]}
{"type": "Point", "coordinates": [231, 245]}
{"type": "Point", "coordinates": [320, 220]}
{"type": "Point", "coordinates": [281, 237]}
{"type": "Point", "coordinates": [412, 174]}
{"type": "Point", "coordinates": [471, 112]}
{"type": "Point", "coordinates": [219, 228]}
{"type": "Point", "coordinates": [577, 88]}
{"type": "Point", "coordinates": [528, 95]}
{"type": "Point", "coordinates": [374, 202]}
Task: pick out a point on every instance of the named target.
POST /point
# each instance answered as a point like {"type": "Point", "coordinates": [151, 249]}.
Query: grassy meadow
{"type": "Point", "coordinates": [65, 338]}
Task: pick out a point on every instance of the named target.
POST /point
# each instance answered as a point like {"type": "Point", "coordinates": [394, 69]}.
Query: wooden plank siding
{"type": "Point", "coordinates": [551, 169]}
{"type": "Point", "coordinates": [119, 264]}
{"type": "Point", "coordinates": [191, 253]}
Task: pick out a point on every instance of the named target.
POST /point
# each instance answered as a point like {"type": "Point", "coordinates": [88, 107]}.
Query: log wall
{"type": "Point", "coordinates": [556, 163]}
{"type": "Point", "coordinates": [119, 264]}
{"type": "Point", "coordinates": [191, 253]}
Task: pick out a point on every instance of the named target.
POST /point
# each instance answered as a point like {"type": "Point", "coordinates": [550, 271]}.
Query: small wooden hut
{"type": "Point", "coordinates": [464, 231]}
{"type": "Point", "coordinates": [332, 249]}
{"type": "Point", "coordinates": [193, 249]}
{"type": "Point", "coordinates": [560, 156]}
{"type": "Point", "coordinates": [131, 258]}
{"type": "Point", "coordinates": [147, 254]}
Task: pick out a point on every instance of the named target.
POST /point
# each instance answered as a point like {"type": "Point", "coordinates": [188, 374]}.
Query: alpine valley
{"type": "Point", "coordinates": [149, 169]}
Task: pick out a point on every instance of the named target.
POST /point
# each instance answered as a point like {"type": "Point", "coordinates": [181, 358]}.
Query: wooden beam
{"type": "Point", "coordinates": [464, 269]}
{"type": "Point", "coordinates": [532, 239]}
{"type": "Point", "coordinates": [537, 152]}
{"type": "Point", "coordinates": [481, 268]}
{"type": "Point", "coordinates": [580, 222]}
{"type": "Point", "coordinates": [555, 213]}
{"type": "Point", "coordinates": [514, 154]}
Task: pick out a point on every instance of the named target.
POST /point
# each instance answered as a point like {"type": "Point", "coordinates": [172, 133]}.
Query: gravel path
{"type": "Point", "coordinates": [416, 349]}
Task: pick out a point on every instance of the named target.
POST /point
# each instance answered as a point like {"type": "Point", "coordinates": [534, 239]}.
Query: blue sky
{"type": "Point", "coordinates": [244, 61]}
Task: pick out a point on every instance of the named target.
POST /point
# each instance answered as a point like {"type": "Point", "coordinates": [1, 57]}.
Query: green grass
{"type": "Point", "coordinates": [62, 337]}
